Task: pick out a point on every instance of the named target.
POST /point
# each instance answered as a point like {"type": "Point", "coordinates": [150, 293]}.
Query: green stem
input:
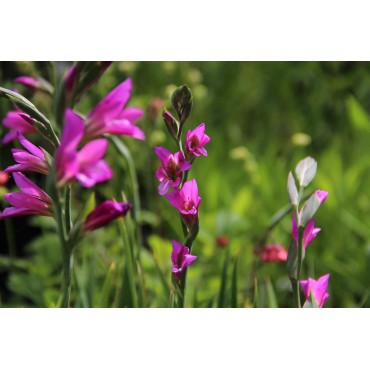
{"type": "Point", "coordinates": [299, 260]}
{"type": "Point", "coordinates": [296, 296]}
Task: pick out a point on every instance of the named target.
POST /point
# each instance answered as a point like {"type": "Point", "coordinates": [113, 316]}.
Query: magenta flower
{"type": "Point", "coordinates": [31, 83]}
{"type": "Point", "coordinates": [86, 165]}
{"type": "Point", "coordinates": [17, 122]}
{"type": "Point", "coordinates": [30, 201]}
{"type": "Point", "coordinates": [309, 233]}
{"type": "Point", "coordinates": [111, 117]}
{"type": "Point", "coordinates": [173, 165]}
{"type": "Point", "coordinates": [32, 159]}
{"type": "Point", "coordinates": [186, 201]}
{"type": "Point", "coordinates": [274, 253]}
{"type": "Point", "coordinates": [105, 213]}
{"type": "Point", "coordinates": [321, 195]}
{"type": "Point", "coordinates": [180, 258]}
{"type": "Point", "coordinates": [319, 289]}
{"type": "Point", "coordinates": [195, 141]}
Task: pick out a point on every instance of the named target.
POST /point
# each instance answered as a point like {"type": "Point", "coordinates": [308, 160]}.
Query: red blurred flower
{"type": "Point", "coordinates": [222, 241]}
{"type": "Point", "coordinates": [4, 178]}
{"type": "Point", "coordinates": [274, 253]}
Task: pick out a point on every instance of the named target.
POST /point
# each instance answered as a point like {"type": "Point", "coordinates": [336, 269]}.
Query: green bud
{"type": "Point", "coordinates": [182, 101]}
{"type": "Point", "coordinates": [171, 124]}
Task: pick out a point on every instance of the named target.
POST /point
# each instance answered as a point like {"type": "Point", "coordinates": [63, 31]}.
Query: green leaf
{"type": "Point", "coordinates": [234, 284]}
{"type": "Point", "coordinates": [222, 297]}
{"type": "Point", "coordinates": [357, 115]}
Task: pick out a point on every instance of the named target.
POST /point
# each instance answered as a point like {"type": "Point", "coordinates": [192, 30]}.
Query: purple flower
{"type": "Point", "coordinates": [86, 165]}
{"type": "Point", "coordinates": [30, 201]}
{"type": "Point", "coordinates": [319, 289]}
{"type": "Point", "coordinates": [32, 159]}
{"type": "Point", "coordinates": [105, 213]}
{"type": "Point", "coordinates": [31, 83]}
{"type": "Point", "coordinates": [186, 201]}
{"type": "Point", "coordinates": [309, 233]}
{"type": "Point", "coordinates": [17, 122]}
{"type": "Point", "coordinates": [111, 117]}
{"type": "Point", "coordinates": [173, 165]}
{"type": "Point", "coordinates": [180, 258]}
{"type": "Point", "coordinates": [195, 141]}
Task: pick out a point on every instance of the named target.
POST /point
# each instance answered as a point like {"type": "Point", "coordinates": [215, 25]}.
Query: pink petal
{"type": "Point", "coordinates": [28, 187]}
{"type": "Point", "coordinates": [131, 114]}
{"type": "Point", "coordinates": [90, 175]}
{"type": "Point", "coordinates": [30, 147]}
{"type": "Point", "coordinates": [164, 187]}
{"type": "Point", "coordinates": [322, 195]}
{"type": "Point", "coordinates": [72, 131]}
{"type": "Point", "coordinates": [188, 260]}
{"type": "Point", "coordinates": [163, 154]}
{"type": "Point", "coordinates": [92, 152]}
{"type": "Point", "coordinates": [175, 199]}
{"type": "Point", "coordinates": [21, 200]}
{"type": "Point", "coordinates": [123, 127]}
{"type": "Point", "coordinates": [176, 250]}
{"type": "Point", "coordinates": [112, 104]}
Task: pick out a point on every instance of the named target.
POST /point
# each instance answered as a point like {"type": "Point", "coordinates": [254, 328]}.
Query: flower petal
{"type": "Point", "coordinates": [163, 154]}
{"type": "Point", "coordinates": [28, 187]}
{"type": "Point", "coordinates": [131, 114]}
{"type": "Point", "coordinates": [92, 152]}
{"type": "Point", "coordinates": [112, 104]}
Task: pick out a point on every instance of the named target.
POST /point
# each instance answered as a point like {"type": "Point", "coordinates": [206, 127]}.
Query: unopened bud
{"type": "Point", "coordinates": [182, 101]}
{"type": "Point", "coordinates": [171, 124]}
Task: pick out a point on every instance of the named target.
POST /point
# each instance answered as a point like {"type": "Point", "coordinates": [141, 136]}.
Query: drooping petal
{"type": "Point", "coordinates": [123, 127]}
{"type": "Point", "coordinates": [131, 114]}
{"type": "Point", "coordinates": [175, 199]}
{"type": "Point", "coordinates": [90, 175]}
{"type": "Point", "coordinates": [112, 104]}
{"type": "Point", "coordinates": [164, 187]}
{"type": "Point", "coordinates": [13, 212]}
{"type": "Point", "coordinates": [22, 200]}
{"type": "Point", "coordinates": [31, 148]}
{"type": "Point", "coordinates": [28, 187]}
{"type": "Point", "coordinates": [92, 152]}
{"type": "Point", "coordinates": [176, 250]}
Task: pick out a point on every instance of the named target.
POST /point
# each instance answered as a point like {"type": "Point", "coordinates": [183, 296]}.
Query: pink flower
{"type": "Point", "coordinates": [309, 232]}
{"type": "Point", "coordinates": [319, 289]}
{"type": "Point", "coordinates": [30, 201]}
{"type": "Point", "coordinates": [32, 159]}
{"type": "Point", "coordinates": [195, 141]}
{"type": "Point", "coordinates": [274, 253]}
{"type": "Point", "coordinates": [321, 195]}
{"type": "Point", "coordinates": [111, 117]}
{"type": "Point", "coordinates": [105, 213]}
{"type": "Point", "coordinates": [173, 165]}
{"type": "Point", "coordinates": [17, 122]}
{"type": "Point", "coordinates": [180, 258]}
{"type": "Point", "coordinates": [31, 83]}
{"type": "Point", "coordinates": [186, 201]}
{"type": "Point", "coordinates": [86, 165]}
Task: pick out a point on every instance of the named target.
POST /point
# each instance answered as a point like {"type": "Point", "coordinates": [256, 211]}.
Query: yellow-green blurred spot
{"type": "Point", "coordinates": [301, 139]}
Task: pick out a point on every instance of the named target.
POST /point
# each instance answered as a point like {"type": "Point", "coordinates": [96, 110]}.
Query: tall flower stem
{"type": "Point", "coordinates": [295, 281]}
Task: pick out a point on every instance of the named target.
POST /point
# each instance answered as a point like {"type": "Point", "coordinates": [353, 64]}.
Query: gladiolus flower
{"type": "Point", "coordinates": [186, 201]}
{"type": "Point", "coordinates": [31, 83]}
{"type": "Point", "coordinates": [86, 165]}
{"type": "Point", "coordinates": [180, 258]}
{"type": "Point", "coordinates": [105, 213]}
{"type": "Point", "coordinates": [111, 117]}
{"type": "Point", "coordinates": [32, 159]}
{"type": "Point", "coordinates": [309, 233]}
{"type": "Point", "coordinates": [274, 253]}
{"type": "Point", "coordinates": [173, 165]}
{"type": "Point", "coordinates": [319, 289]}
{"type": "Point", "coordinates": [195, 141]}
{"type": "Point", "coordinates": [17, 122]}
{"type": "Point", "coordinates": [30, 201]}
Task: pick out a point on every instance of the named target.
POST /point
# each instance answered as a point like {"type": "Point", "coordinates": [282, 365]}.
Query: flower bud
{"type": "Point", "coordinates": [311, 206]}
{"type": "Point", "coordinates": [182, 101]}
{"type": "Point", "coordinates": [105, 213]}
{"type": "Point", "coordinates": [306, 171]}
{"type": "Point", "coordinates": [292, 190]}
{"type": "Point", "coordinates": [171, 124]}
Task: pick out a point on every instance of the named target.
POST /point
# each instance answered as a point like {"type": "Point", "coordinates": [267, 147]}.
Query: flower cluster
{"type": "Point", "coordinates": [304, 232]}
{"type": "Point", "coordinates": [173, 173]}
{"type": "Point", "coordinates": [79, 156]}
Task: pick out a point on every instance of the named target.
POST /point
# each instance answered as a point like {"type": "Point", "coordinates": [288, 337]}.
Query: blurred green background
{"type": "Point", "coordinates": [262, 117]}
